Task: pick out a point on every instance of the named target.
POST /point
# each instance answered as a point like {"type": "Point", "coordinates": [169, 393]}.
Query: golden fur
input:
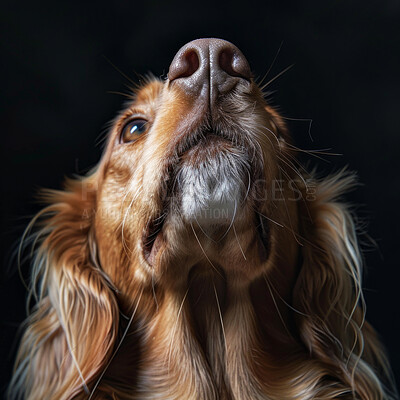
{"type": "Point", "coordinates": [203, 317]}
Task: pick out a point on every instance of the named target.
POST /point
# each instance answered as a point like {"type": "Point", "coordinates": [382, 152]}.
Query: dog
{"type": "Point", "coordinates": [199, 260]}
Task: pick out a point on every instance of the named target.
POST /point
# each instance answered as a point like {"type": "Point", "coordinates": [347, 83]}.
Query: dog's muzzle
{"type": "Point", "coordinates": [212, 175]}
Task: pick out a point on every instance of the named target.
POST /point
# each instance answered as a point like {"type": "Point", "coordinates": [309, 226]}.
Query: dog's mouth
{"type": "Point", "coordinates": [209, 182]}
{"type": "Point", "coordinates": [208, 141]}
{"type": "Point", "coordinates": [152, 240]}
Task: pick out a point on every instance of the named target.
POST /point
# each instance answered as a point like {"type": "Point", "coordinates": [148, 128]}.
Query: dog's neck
{"type": "Point", "coordinates": [200, 344]}
{"type": "Point", "coordinates": [207, 341]}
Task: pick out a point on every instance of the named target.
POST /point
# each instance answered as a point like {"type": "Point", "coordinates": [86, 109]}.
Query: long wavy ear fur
{"type": "Point", "coordinates": [71, 333]}
{"type": "Point", "coordinates": [329, 299]}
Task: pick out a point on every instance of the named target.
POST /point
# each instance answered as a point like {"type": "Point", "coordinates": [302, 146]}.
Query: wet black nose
{"type": "Point", "coordinates": [213, 62]}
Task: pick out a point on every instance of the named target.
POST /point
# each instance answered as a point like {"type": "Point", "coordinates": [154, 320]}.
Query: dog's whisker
{"type": "Point", "coordinates": [174, 329]}
{"type": "Point", "coordinates": [263, 87]}
{"type": "Point", "coordinates": [271, 66]}
{"type": "Point", "coordinates": [127, 250]}
{"type": "Point", "coordinates": [126, 95]}
{"type": "Point", "coordinates": [153, 289]}
{"type": "Point", "coordinates": [302, 120]}
{"type": "Point", "coordinates": [270, 219]}
{"type": "Point", "coordinates": [238, 242]}
{"type": "Point", "coordinates": [277, 307]}
{"type": "Point", "coordinates": [287, 209]}
{"type": "Point", "coordinates": [313, 152]}
{"type": "Point", "coordinates": [287, 162]}
{"type": "Point", "coordinates": [292, 231]}
{"type": "Point", "coordinates": [220, 317]}
{"type": "Point", "coordinates": [272, 133]}
{"type": "Point", "coordinates": [263, 134]}
{"type": "Point", "coordinates": [203, 251]}
{"type": "Point", "coordinates": [120, 72]}
{"type": "Point", "coordinates": [231, 223]}
{"type": "Point", "coordinates": [248, 188]}
{"type": "Point", "coordinates": [285, 302]}
{"type": "Point", "coordinates": [117, 348]}
{"type": "Point", "coordinates": [203, 231]}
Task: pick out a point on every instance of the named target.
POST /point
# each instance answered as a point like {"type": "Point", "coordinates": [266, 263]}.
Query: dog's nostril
{"type": "Point", "coordinates": [212, 65]}
{"type": "Point", "coordinates": [234, 64]}
{"type": "Point", "coordinates": [184, 66]}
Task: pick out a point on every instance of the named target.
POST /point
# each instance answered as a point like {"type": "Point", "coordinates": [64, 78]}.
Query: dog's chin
{"type": "Point", "coordinates": [212, 180]}
{"type": "Point", "coordinates": [210, 193]}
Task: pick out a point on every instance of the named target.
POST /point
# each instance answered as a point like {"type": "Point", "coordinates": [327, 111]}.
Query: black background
{"type": "Point", "coordinates": [55, 103]}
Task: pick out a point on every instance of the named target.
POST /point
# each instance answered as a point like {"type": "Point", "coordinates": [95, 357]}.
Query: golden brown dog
{"type": "Point", "coordinates": [197, 261]}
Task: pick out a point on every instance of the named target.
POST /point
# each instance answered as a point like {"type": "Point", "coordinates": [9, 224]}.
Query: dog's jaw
{"type": "Point", "coordinates": [209, 211]}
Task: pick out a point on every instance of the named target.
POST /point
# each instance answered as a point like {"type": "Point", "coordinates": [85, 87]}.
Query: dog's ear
{"type": "Point", "coordinates": [328, 294]}
{"type": "Point", "coordinates": [71, 333]}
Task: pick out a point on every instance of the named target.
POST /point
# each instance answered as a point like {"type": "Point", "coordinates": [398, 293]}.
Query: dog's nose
{"type": "Point", "coordinates": [209, 61]}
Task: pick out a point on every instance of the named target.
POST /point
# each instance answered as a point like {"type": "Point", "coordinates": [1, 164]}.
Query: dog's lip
{"type": "Point", "coordinates": [202, 137]}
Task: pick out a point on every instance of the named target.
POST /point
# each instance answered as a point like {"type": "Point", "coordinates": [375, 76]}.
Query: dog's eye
{"type": "Point", "coordinates": [133, 130]}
